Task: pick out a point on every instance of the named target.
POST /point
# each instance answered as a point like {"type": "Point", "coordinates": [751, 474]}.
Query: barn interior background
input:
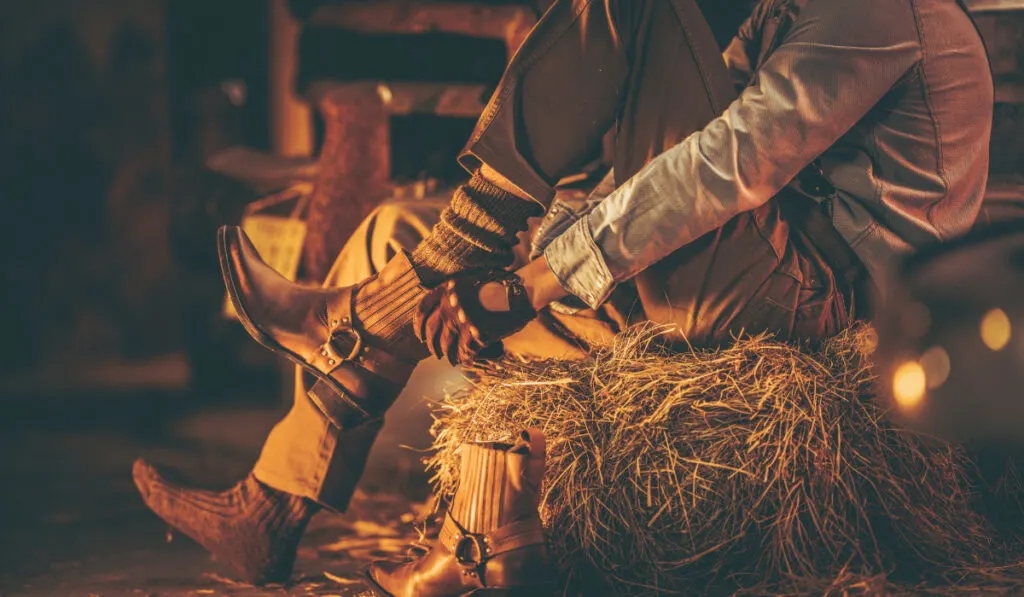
{"type": "Point", "coordinates": [132, 129]}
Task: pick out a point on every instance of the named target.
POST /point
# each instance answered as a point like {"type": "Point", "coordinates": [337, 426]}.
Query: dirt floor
{"type": "Point", "coordinates": [73, 525]}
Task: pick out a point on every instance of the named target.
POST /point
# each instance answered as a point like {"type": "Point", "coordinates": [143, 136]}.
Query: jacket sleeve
{"type": "Point", "coordinates": [742, 53]}
{"type": "Point", "coordinates": [839, 59]}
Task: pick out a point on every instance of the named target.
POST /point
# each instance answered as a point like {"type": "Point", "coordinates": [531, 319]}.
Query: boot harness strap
{"type": "Point", "coordinates": [473, 550]}
{"type": "Point", "coordinates": [345, 345]}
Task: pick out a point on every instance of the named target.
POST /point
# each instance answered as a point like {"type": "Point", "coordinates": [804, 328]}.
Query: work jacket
{"type": "Point", "coordinates": [889, 102]}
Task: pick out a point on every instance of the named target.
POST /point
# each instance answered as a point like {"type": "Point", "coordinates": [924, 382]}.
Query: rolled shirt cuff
{"type": "Point", "coordinates": [579, 265]}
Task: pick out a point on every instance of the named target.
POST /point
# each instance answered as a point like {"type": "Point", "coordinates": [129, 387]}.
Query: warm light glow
{"type": "Point", "coordinates": [995, 329]}
{"type": "Point", "coordinates": [385, 94]}
{"type": "Point", "coordinates": [908, 385]}
{"type": "Point", "coordinates": [935, 362]}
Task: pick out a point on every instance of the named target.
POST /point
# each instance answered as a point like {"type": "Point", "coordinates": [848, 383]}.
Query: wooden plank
{"type": "Point", "coordinates": [509, 23]}
{"type": "Point", "coordinates": [979, 6]}
{"type": "Point", "coordinates": [465, 101]}
{"type": "Point", "coordinates": [403, 98]}
{"type": "Point", "coordinates": [291, 119]}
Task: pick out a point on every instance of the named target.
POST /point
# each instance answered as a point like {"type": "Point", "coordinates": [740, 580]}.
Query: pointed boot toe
{"type": "Point", "coordinates": [316, 328]}
{"type": "Point", "coordinates": [283, 316]}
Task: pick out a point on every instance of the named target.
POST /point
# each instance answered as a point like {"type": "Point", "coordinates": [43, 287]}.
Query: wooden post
{"type": "Point", "coordinates": [355, 171]}
{"type": "Point", "coordinates": [355, 166]}
{"type": "Point", "coordinates": [291, 120]}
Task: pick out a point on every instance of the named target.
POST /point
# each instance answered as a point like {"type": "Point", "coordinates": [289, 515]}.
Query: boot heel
{"type": "Point", "coordinates": [338, 407]}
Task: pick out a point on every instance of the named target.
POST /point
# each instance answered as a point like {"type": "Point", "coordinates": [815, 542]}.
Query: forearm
{"type": "Point", "coordinates": [541, 284]}
{"type": "Point", "coordinates": [537, 278]}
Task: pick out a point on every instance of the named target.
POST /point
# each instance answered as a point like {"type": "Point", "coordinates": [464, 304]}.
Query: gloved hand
{"type": "Point", "coordinates": [453, 323]}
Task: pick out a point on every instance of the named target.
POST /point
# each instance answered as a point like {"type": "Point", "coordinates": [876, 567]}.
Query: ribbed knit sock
{"type": "Point", "coordinates": [251, 527]}
{"type": "Point", "coordinates": [385, 306]}
{"type": "Point", "coordinates": [476, 231]}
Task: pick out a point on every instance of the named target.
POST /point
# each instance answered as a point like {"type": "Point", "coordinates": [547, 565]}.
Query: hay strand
{"type": "Point", "coordinates": [759, 467]}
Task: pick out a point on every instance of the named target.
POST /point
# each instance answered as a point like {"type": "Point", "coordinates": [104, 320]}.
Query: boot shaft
{"type": "Point", "coordinates": [492, 541]}
{"type": "Point", "coordinates": [499, 483]}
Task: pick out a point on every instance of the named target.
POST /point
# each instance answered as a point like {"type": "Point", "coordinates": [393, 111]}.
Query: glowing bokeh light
{"type": "Point", "coordinates": [908, 385]}
{"type": "Point", "coordinates": [995, 329]}
{"type": "Point", "coordinates": [935, 362]}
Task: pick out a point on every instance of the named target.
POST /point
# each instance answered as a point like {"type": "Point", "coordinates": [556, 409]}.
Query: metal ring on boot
{"type": "Point", "coordinates": [357, 348]}
{"type": "Point", "coordinates": [471, 551]}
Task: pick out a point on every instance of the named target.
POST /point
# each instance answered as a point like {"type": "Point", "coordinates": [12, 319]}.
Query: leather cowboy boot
{"type": "Point", "coordinates": [491, 542]}
{"type": "Point", "coordinates": [358, 344]}
{"type": "Point", "coordinates": [356, 341]}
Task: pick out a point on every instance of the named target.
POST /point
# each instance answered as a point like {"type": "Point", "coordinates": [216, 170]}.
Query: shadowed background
{"type": "Point", "coordinates": [112, 340]}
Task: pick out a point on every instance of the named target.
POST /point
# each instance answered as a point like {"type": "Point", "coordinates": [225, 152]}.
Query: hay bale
{"type": "Point", "coordinates": [759, 467]}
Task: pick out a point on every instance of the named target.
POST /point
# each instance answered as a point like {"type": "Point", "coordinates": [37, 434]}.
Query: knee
{"type": "Point", "coordinates": [400, 225]}
{"type": "Point", "coordinates": [390, 228]}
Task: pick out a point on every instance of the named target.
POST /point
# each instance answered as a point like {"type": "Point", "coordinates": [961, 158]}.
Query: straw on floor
{"type": "Point", "coordinates": [761, 467]}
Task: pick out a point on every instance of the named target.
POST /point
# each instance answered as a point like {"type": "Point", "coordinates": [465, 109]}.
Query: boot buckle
{"type": "Point", "coordinates": [330, 351]}
{"type": "Point", "coordinates": [355, 337]}
{"type": "Point", "coordinates": [471, 551]}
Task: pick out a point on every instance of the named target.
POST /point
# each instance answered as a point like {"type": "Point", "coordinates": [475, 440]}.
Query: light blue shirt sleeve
{"type": "Point", "coordinates": [813, 88]}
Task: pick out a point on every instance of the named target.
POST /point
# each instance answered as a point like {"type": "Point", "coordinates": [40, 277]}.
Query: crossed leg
{"type": "Point", "coordinates": [652, 70]}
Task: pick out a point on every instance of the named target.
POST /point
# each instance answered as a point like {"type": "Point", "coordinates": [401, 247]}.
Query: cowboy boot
{"type": "Point", "coordinates": [358, 345]}
{"type": "Point", "coordinates": [355, 341]}
{"type": "Point", "coordinates": [491, 542]}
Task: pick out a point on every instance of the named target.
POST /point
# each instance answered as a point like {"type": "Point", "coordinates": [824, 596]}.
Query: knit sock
{"type": "Point", "coordinates": [251, 527]}
{"type": "Point", "coordinates": [476, 231]}
{"type": "Point", "coordinates": [384, 308]}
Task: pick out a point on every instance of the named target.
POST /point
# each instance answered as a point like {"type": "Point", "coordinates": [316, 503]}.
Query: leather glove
{"type": "Point", "coordinates": [453, 323]}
